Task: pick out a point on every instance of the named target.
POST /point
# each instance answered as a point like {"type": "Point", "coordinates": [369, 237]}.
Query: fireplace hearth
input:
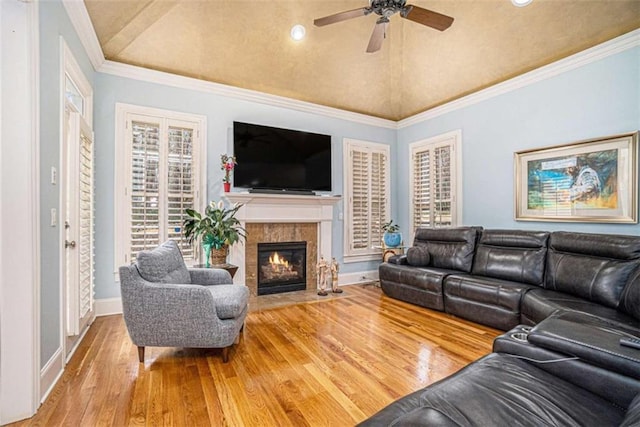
{"type": "Point", "coordinates": [282, 267]}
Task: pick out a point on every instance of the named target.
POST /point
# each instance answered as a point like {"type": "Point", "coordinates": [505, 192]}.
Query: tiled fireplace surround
{"type": "Point", "coordinates": [281, 218]}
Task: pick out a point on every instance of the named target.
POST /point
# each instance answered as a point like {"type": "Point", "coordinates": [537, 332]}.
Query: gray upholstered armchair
{"type": "Point", "coordinates": [166, 304]}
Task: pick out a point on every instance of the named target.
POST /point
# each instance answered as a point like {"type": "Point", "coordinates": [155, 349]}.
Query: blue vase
{"type": "Point", "coordinates": [392, 240]}
{"type": "Point", "coordinates": [207, 254]}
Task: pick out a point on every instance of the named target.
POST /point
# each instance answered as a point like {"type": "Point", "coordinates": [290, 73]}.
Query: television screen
{"type": "Point", "coordinates": [281, 159]}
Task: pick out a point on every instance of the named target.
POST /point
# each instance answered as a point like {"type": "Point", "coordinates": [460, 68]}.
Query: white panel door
{"type": "Point", "coordinates": [78, 201]}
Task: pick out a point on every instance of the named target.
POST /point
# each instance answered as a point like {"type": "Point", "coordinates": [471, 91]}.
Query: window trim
{"type": "Point", "coordinates": [122, 156]}
{"type": "Point", "coordinates": [348, 144]}
{"type": "Point", "coordinates": [73, 70]}
{"type": "Point", "coordinates": [453, 139]}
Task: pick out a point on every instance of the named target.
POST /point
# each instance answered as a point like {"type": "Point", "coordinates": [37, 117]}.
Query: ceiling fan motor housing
{"type": "Point", "coordinates": [386, 8]}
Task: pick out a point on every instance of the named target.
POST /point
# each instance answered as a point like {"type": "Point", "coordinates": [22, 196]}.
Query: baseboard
{"type": "Point", "coordinates": [108, 306]}
{"type": "Point", "coordinates": [358, 277]}
{"type": "Point", "coordinates": [51, 373]}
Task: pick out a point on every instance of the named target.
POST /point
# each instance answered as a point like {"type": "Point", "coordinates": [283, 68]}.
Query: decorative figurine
{"type": "Point", "coordinates": [322, 270]}
{"type": "Point", "coordinates": [334, 277]}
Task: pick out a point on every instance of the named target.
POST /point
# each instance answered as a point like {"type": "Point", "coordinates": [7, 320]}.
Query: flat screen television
{"type": "Point", "coordinates": [274, 160]}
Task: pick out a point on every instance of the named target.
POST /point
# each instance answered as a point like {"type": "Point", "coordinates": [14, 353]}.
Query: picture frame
{"type": "Point", "coordinates": [586, 181]}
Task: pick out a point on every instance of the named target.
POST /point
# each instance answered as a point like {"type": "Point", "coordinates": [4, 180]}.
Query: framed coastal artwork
{"type": "Point", "coordinates": [586, 181]}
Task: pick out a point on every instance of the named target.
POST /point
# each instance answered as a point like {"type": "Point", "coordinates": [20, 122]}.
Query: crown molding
{"type": "Point", "coordinates": [168, 79]}
{"type": "Point", "coordinates": [596, 53]}
{"type": "Point", "coordinates": [79, 17]}
{"type": "Point", "coordinates": [80, 20]}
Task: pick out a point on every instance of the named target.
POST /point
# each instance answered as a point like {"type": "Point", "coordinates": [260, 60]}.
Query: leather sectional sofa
{"type": "Point", "coordinates": [502, 278]}
{"type": "Point", "coordinates": [535, 381]}
{"type": "Point", "coordinates": [568, 299]}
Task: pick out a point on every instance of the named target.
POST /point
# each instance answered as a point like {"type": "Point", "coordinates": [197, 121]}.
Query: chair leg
{"type": "Point", "coordinates": [141, 354]}
{"type": "Point", "coordinates": [225, 354]}
{"type": "Point", "coordinates": [237, 341]}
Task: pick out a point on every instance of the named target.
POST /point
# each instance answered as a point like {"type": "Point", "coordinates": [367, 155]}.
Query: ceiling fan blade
{"type": "Point", "coordinates": [342, 16]}
{"type": "Point", "coordinates": [427, 17]}
{"type": "Point", "coordinates": [377, 37]}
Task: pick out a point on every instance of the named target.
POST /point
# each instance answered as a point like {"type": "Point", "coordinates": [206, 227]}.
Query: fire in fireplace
{"type": "Point", "coordinates": [282, 267]}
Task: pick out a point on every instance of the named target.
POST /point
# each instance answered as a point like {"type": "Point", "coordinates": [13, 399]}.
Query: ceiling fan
{"type": "Point", "coordinates": [386, 8]}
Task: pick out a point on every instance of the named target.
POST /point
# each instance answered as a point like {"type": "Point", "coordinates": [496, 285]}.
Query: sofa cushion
{"type": "Point", "coordinates": [484, 300]}
{"type": "Point", "coordinates": [449, 248]}
{"type": "Point", "coordinates": [511, 255]}
{"type": "Point", "coordinates": [423, 278]}
{"type": "Point", "coordinates": [630, 303]}
{"type": "Point", "coordinates": [499, 390]}
{"type": "Point", "coordinates": [595, 267]}
{"type": "Point", "coordinates": [163, 264]}
{"type": "Point", "coordinates": [417, 285]}
{"type": "Point", "coordinates": [418, 256]}
{"type": "Point", "coordinates": [501, 293]}
{"type": "Point", "coordinates": [538, 304]}
{"type": "Point", "coordinates": [230, 300]}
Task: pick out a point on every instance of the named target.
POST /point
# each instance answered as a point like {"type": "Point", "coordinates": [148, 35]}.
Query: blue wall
{"type": "Point", "coordinates": [595, 100]}
{"type": "Point", "coordinates": [220, 112]}
{"type": "Point", "coordinates": [54, 22]}
{"type": "Point", "coordinates": [599, 99]}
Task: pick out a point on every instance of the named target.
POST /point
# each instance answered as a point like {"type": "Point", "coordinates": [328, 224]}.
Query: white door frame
{"type": "Point", "coordinates": [69, 67]}
{"type": "Point", "coordinates": [19, 211]}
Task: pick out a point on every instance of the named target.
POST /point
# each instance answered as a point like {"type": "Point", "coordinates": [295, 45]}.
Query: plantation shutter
{"type": "Point", "coordinates": [85, 246]}
{"type": "Point", "coordinates": [421, 189]}
{"type": "Point", "coordinates": [379, 197]}
{"type": "Point", "coordinates": [360, 200]}
{"type": "Point", "coordinates": [442, 186]}
{"type": "Point", "coordinates": [180, 188]}
{"type": "Point", "coordinates": [145, 187]}
{"type": "Point", "coordinates": [164, 182]}
{"type": "Point", "coordinates": [367, 192]}
{"type": "Point", "coordinates": [432, 186]}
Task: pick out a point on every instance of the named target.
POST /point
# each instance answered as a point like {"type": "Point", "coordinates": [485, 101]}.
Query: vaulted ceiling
{"type": "Point", "coordinates": [246, 43]}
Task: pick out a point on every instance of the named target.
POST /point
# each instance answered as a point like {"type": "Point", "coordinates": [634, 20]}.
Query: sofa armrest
{"type": "Point", "coordinates": [591, 339]}
{"type": "Point", "coordinates": [210, 276]}
{"type": "Point", "coordinates": [398, 259]}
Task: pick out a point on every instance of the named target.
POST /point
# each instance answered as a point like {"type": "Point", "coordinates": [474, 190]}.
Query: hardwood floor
{"type": "Point", "coordinates": [328, 363]}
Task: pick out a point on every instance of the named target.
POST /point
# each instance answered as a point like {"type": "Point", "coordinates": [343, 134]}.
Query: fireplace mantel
{"type": "Point", "coordinates": [283, 208]}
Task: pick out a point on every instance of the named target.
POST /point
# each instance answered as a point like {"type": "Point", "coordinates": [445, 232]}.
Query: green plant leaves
{"type": "Point", "coordinates": [217, 227]}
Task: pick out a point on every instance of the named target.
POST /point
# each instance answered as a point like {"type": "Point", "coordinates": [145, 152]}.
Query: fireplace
{"type": "Point", "coordinates": [282, 267]}
{"type": "Point", "coordinates": [281, 218]}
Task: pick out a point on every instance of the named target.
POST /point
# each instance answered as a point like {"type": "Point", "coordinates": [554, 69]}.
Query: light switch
{"type": "Point", "coordinates": [54, 217]}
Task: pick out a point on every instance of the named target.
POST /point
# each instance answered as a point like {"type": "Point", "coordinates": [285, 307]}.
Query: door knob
{"type": "Point", "coordinates": [69, 244]}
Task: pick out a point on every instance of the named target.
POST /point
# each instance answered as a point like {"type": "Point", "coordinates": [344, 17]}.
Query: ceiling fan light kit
{"type": "Point", "coordinates": [297, 32]}
{"type": "Point", "coordinates": [385, 9]}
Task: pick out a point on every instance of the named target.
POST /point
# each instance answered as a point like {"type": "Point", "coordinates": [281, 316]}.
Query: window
{"type": "Point", "coordinates": [73, 95]}
{"type": "Point", "coordinates": [159, 175]}
{"type": "Point", "coordinates": [434, 172]}
{"type": "Point", "coordinates": [366, 168]}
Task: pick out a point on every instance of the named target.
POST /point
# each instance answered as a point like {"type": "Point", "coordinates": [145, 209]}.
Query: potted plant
{"type": "Point", "coordinates": [218, 228]}
{"type": "Point", "coordinates": [392, 237]}
{"type": "Point", "coordinates": [227, 163]}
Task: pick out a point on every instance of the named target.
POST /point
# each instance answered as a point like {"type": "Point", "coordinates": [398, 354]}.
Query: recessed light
{"type": "Point", "coordinates": [298, 32]}
{"type": "Point", "coordinates": [521, 3]}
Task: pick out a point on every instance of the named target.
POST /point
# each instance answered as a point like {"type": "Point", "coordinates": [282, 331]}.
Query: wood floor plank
{"type": "Point", "coordinates": [330, 362]}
